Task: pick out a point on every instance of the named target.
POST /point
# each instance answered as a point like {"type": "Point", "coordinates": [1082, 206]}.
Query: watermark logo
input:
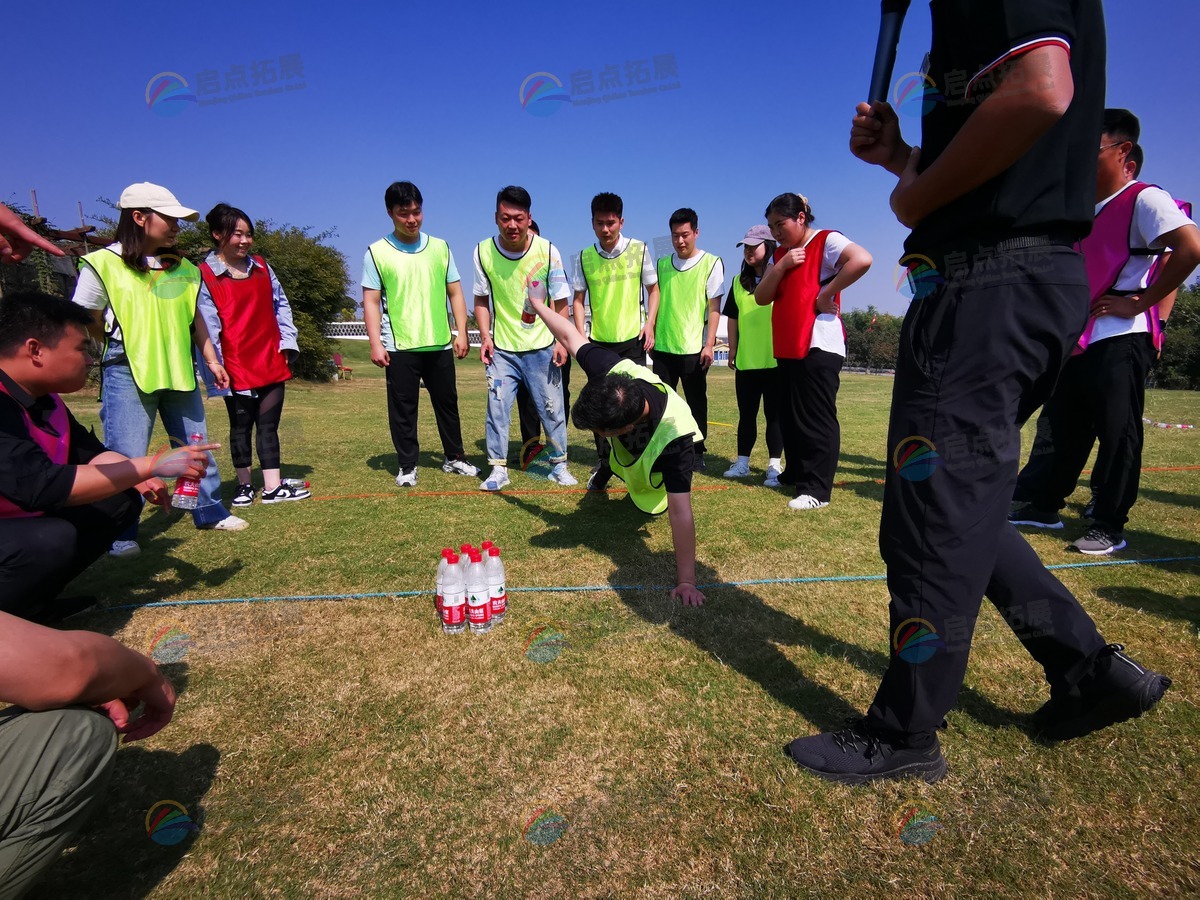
{"type": "Point", "coordinates": [545, 643]}
{"type": "Point", "coordinates": [916, 825]}
{"type": "Point", "coordinates": [168, 644]}
{"type": "Point", "coordinates": [543, 94]}
{"type": "Point", "coordinates": [168, 94]}
{"type": "Point", "coordinates": [916, 640]}
{"type": "Point", "coordinates": [168, 823]}
{"type": "Point", "coordinates": [916, 458]}
{"type": "Point", "coordinates": [915, 94]}
{"type": "Point", "coordinates": [535, 459]}
{"type": "Point", "coordinates": [917, 277]}
{"type": "Point", "coordinates": [543, 826]}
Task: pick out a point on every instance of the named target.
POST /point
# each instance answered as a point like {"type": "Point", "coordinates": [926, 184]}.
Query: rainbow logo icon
{"type": "Point", "coordinates": [538, 465]}
{"type": "Point", "coordinates": [545, 643]}
{"type": "Point", "coordinates": [916, 640]}
{"type": "Point", "coordinates": [542, 94]}
{"type": "Point", "coordinates": [916, 459]}
{"type": "Point", "coordinates": [543, 826]}
{"type": "Point", "coordinates": [168, 94]}
{"type": "Point", "coordinates": [916, 826]}
{"type": "Point", "coordinates": [168, 823]}
{"type": "Point", "coordinates": [169, 644]}
{"type": "Point", "coordinates": [917, 277]}
{"type": "Point", "coordinates": [915, 95]}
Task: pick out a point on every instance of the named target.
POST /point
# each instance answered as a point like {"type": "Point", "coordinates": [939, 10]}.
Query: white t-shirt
{"type": "Point", "coordinates": [715, 286]}
{"type": "Point", "coordinates": [1154, 214]}
{"type": "Point", "coordinates": [557, 285]}
{"type": "Point", "coordinates": [827, 331]}
{"type": "Point", "coordinates": [649, 271]}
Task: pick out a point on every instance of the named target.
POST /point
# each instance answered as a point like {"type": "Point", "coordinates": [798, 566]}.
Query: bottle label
{"type": "Point", "coordinates": [499, 600]}
{"type": "Point", "coordinates": [479, 609]}
{"type": "Point", "coordinates": [187, 487]}
{"type": "Point", "coordinates": [453, 613]}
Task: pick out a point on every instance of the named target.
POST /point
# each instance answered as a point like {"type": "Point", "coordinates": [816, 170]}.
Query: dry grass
{"type": "Point", "coordinates": [348, 748]}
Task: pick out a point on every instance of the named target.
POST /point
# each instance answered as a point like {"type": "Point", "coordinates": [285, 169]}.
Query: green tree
{"type": "Point", "coordinates": [872, 338]}
{"type": "Point", "coordinates": [1180, 363]}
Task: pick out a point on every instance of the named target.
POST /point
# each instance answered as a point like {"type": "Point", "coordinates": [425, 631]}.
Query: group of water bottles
{"type": "Point", "coordinates": [471, 589]}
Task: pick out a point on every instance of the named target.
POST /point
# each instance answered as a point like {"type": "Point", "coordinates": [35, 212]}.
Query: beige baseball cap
{"type": "Point", "coordinates": [156, 197]}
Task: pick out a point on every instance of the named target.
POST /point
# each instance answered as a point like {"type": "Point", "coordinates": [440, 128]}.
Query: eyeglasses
{"type": "Point", "coordinates": [1110, 146]}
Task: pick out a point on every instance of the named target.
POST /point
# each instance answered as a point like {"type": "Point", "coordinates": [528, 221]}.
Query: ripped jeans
{"type": "Point", "coordinates": [536, 370]}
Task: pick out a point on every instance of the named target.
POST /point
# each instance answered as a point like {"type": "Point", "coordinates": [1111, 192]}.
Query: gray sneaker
{"type": "Point", "coordinates": [1099, 541]}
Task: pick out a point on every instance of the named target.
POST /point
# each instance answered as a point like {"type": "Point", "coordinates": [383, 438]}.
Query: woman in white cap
{"type": "Point", "coordinates": [751, 355]}
{"type": "Point", "coordinates": [146, 295]}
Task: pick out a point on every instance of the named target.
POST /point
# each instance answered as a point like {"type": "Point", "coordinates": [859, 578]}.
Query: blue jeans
{"type": "Point", "coordinates": [536, 370]}
{"type": "Point", "coordinates": [127, 415]}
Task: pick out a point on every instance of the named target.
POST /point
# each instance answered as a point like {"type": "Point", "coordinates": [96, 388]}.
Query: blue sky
{"type": "Point", "coordinates": [430, 93]}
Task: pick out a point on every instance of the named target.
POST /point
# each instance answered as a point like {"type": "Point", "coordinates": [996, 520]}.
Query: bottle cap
{"type": "Point", "coordinates": [464, 549]}
{"type": "Point", "coordinates": [446, 551]}
{"type": "Point", "coordinates": [475, 556]}
{"type": "Point", "coordinates": [493, 551]}
{"type": "Point", "coordinates": [486, 545]}
{"type": "Point", "coordinates": [452, 558]}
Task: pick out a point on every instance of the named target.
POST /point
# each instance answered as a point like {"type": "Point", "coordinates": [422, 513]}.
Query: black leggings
{"type": "Point", "coordinates": [751, 386]}
{"type": "Point", "coordinates": [261, 412]}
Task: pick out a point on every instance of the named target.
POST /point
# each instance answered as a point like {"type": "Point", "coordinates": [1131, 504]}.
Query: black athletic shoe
{"type": "Point", "coordinates": [598, 480]}
{"type": "Point", "coordinates": [855, 755]}
{"type": "Point", "coordinates": [699, 464]}
{"type": "Point", "coordinates": [286, 492]}
{"type": "Point", "coordinates": [1029, 514]}
{"type": "Point", "coordinates": [1115, 689]}
{"type": "Point", "coordinates": [245, 495]}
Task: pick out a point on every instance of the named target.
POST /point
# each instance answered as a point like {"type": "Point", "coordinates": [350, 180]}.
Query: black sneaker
{"type": "Point", "coordinates": [1089, 511]}
{"type": "Point", "coordinates": [699, 464]}
{"type": "Point", "coordinates": [286, 492]}
{"type": "Point", "coordinates": [598, 480]}
{"type": "Point", "coordinates": [855, 755]}
{"type": "Point", "coordinates": [1099, 541]}
{"type": "Point", "coordinates": [1115, 689]}
{"type": "Point", "coordinates": [245, 495]}
{"type": "Point", "coordinates": [1028, 514]}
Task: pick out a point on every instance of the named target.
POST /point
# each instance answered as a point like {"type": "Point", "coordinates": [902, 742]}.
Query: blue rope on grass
{"type": "Point", "coordinates": [591, 588]}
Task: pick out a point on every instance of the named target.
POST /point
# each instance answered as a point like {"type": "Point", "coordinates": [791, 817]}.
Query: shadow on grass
{"type": "Point", "coordinates": [115, 840]}
{"type": "Point", "coordinates": [1185, 609]}
{"type": "Point", "coordinates": [1192, 501]}
{"type": "Point", "coordinates": [735, 626]}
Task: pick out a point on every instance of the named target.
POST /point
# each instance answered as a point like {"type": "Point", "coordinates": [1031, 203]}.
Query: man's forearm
{"type": "Point", "coordinates": [683, 536]}
{"type": "Point", "coordinates": [107, 475]}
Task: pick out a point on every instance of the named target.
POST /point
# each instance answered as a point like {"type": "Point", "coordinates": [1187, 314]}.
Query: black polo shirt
{"type": "Point", "coordinates": [1051, 190]}
{"type": "Point", "coordinates": [27, 476]}
{"type": "Point", "coordinates": [677, 459]}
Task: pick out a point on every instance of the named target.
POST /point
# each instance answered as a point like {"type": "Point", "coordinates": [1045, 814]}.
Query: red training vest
{"type": "Point", "coordinates": [794, 310]}
{"type": "Point", "coordinates": [57, 448]}
{"type": "Point", "coordinates": [249, 329]}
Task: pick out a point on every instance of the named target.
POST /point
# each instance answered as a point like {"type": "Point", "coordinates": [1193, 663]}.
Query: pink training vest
{"type": "Point", "coordinates": [57, 448]}
{"type": "Point", "coordinates": [1106, 251]}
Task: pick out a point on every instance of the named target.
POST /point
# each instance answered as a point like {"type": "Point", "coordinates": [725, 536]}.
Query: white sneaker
{"type": "Point", "coordinates": [407, 478]}
{"type": "Point", "coordinates": [498, 480]}
{"type": "Point", "coordinates": [773, 474]}
{"type": "Point", "coordinates": [229, 523]}
{"type": "Point", "coordinates": [122, 549]}
{"type": "Point", "coordinates": [560, 475]}
{"type": "Point", "coordinates": [459, 467]}
{"type": "Point", "coordinates": [738, 470]}
{"type": "Point", "coordinates": [804, 501]}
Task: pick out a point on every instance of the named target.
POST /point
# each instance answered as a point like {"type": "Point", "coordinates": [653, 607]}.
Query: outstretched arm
{"type": "Point", "coordinates": [560, 326]}
{"type": "Point", "coordinates": [683, 535]}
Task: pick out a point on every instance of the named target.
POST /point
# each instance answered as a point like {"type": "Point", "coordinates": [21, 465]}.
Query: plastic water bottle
{"type": "Point", "coordinates": [497, 592]}
{"type": "Point", "coordinates": [440, 581]}
{"type": "Point", "coordinates": [187, 487]}
{"type": "Point", "coordinates": [537, 288]}
{"type": "Point", "coordinates": [479, 606]}
{"type": "Point", "coordinates": [454, 598]}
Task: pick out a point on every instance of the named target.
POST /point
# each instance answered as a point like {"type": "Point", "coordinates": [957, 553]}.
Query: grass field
{"type": "Point", "coordinates": [344, 748]}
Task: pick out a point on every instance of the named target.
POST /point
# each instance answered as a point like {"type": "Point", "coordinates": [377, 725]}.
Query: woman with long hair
{"type": "Point", "coordinates": [250, 323]}
{"type": "Point", "coordinates": [751, 356]}
{"type": "Point", "coordinates": [804, 285]}
{"type": "Point", "coordinates": [145, 294]}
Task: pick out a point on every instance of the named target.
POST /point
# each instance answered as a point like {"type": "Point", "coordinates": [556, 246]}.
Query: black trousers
{"type": "Point", "coordinates": [812, 435]}
{"type": "Point", "coordinates": [752, 387]}
{"type": "Point", "coordinates": [527, 411]}
{"type": "Point", "coordinates": [404, 373]}
{"type": "Point", "coordinates": [258, 414]}
{"type": "Point", "coordinates": [1101, 394]}
{"type": "Point", "coordinates": [635, 350]}
{"type": "Point", "coordinates": [39, 555]}
{"type": "Point", "coordinates": [674, 368]}
{"type": "Point", "coordinates": [976, 358]}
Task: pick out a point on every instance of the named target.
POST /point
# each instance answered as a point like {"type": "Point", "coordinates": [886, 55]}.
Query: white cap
{"type": "Point", "coordinates": [152, 196]}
